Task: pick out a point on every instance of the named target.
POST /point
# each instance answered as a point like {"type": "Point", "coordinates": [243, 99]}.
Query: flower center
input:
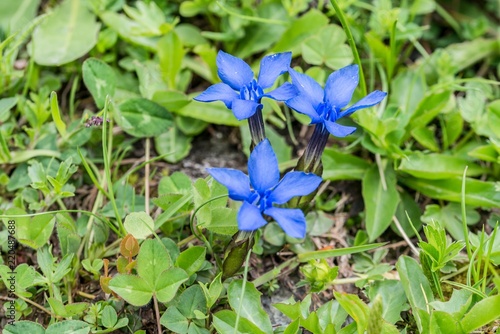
{"type": "Point", "coordinates": [327, 111]}
{"type": "Point", "coordinates": [260, 200]}
{"type": "Point", "coordinates": [252, 91]}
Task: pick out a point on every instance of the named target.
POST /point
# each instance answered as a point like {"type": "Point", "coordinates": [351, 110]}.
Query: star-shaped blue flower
{"type": "Point", "coordinates": [325, 106]}
{"type": "Point", "coordinates": [263, 188]}
{"type": "Point", "coordinates": [240, 92]}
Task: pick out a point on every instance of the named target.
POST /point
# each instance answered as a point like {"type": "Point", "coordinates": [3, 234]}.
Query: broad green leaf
{"type": "Point", "coordinates": [301, 28]}
{"type": "Point", "coordinates": [35, 232]}
{"type": "Point", "coordinates": [429, 107]}
{"type": "Point", "coordinates": [426, 136]}
{"type": "Point", "coordinates": [444, 323]}
{"type": "Point", "coordinates": [223, 221]}
{"type": "Point", "coordinates": [327, 47]}
{"type": "Point", "coordinates": [14, 15]}
{"type": "Point", "coordinates": [380, 202]}
{"type": "Point", "coordinates": [25, 276]}
{"type": "Point", "coordinates": [134, 289]}
{"type": "Point", "coordinates": [191, 301]}
{"type": "Point", "coordinates": [109, 316]}
{"type": "Point", "coordinates": [417, 289]}
{"type": "Point", "coordinates": [457, 305]}
{"type": "Point", "coordinates": [342, 166]}
{"type": "Point", "coordinates": [152, 260]}
{"type": "Point", "coordinates": [477, 193]}
{"type": "Point", "coordinates": [24, 327]}
{"type": "Point", "coordinates": [486, 153]}
{"type": "Point", "coordinates": [139, 224]}
{"type": "Point", "coordinates": [214, 112]}
{"type": "Point", "coordinates": [250, 306]}
{"type": "Point", "coordinates": [436, 166]}
{"type": "Point", "coordinates": [225, 322]}
{"type": "Point", "coordinates": [69, 327]}
{"type": "Point", "coordinates": [356, 308]}
{"type": "Point", "coordinates": [174, 144]}
{"type": "Point", "coordinates": [143, 118]}
{"type": "Point", "coordinates": [177, 183]}
{"type": "Point", "coordinates": [323, 254]}
{"type": "Point", "coordinates": [69, 239]}
{"type": "Point", "coordinates": [191, 259]}
{"type": "Point", "coordinates": [408, 212]}
{"type": "Point", "coordinates": [100, 80]}
{"type": "Point", "coordinates": [171, 99]}
{"type": "Point", "coordinates": [168, 283]}
{"type": "Point", "coordinates": [66, 35]}
{"type": "Point", "coordinates": [484, 312]}
{"type": "Point", "coordinates": [170, 54]}
{"type": "Point", "coordinates": [174, 320]}
{"type": "Point", "coordinates": [450, 217]}
{"type": "Point", "coordinates": [260, 36]}
{"type": "Point", "coordinates": [393, 298]}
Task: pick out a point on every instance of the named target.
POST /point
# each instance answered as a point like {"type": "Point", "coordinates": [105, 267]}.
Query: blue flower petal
{"type": "Point", "coordinates": [292, 221]}
{"type": "Point", "coordinates": [340, 86]}
{"type": "Point", "coordinates": [263, 167]}
{"type": "Point", "coordinates": [271, 67]}
{"type": "Point", "coordinates": [307, 87]}
{"type": "Point", "coordinates": [294, 184]}
{"type": "Point", "coordinates": [218, 92]}
{"type": "Point", "coordinates": [250, 218]}
{"type": "Point", "coordinates": [283, 93]}
{"type": "Point", "coordinates": [368, 101]}
{"type": "Point", "coordinates": [236, 182]}
{"type": "Point", "coordinates": [243, 109]}
{"type": "Point", "coordinates": [339, 130]}
{"type": "Point", "coordinates": [233, 71]}
{"type": "Point", "coordinates": [304, 106]}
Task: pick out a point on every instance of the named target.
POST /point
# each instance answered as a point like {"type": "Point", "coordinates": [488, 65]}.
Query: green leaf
{"type": "Point", "coordinates": [56, 114]}
{"type": "Point", "coordinates": [174, 320]}
{"type": "Point", "coordinates": [342, 166]}
{"type": "Point", "coordinates": [191, 259]}
{"type": "Point", "coordinates": [109, 316]}
{"type": "Point", "coordinates": [171, 99]}
{"type": "Point", "coordinates": [356, 308]}
{"type": "Point", "coordinates": [35, 232]}
{"type": "Point", "coordinates": [100, 80]}
{"type": "Point", "coordinates": [301, 28]}
{"type": "Point", "coordinates": [69, 327]}
{"type": "Point", "coordinates": [23, 327]}
{"type": "Point", "coordinates": [134, 289]}
{"type": "Point", "coordinates": [152, 260]}
{"type": "Point", "coordinates": [477, 193]}
{"type": "Point", "coordinates": [15, 14]}
{"type": "Point", "coordinates": [450, 217]}
{"type": "Point", "coordinates": [328, 47]}
{"type": "Point", "coordinates": [143, 118]}
{"type": "Point", "coordinates": [323, 254]}
{"type": "Point", "coordinates": [417, 289]}
{"type": "Point", "coordinates": [177, 183]}
{"type": "Point", "coordinates": [170, 54]}
{"type": "Point", "coordinates": [437, 166]}
{"type": "Point", "coordinates": [168, 283]}
{"type": "Point", "coordinates": [174, 144]}
{"type": "Point", "coordinates": [444, 323]}
{"type": "Point", "coordinates": [191, 301]}
{"type": "Point", "coordinates": [484, 312]}
{"type": "Point", "coordinates": [393, 298]}
{"type": "Point", "coordinates": [139, 224]}
{"type": "Point", "coordinates": [380, 203]}
{"type": "Point", "coordinates": [223, 221]}
{"type": "Point", "coordinates": [225, 322]}
{"type": "Point", "coordinates": [66, 35]}
{"type": "Point", "coordinates": [251, 307]}
{"type": "Point", "coordinates": [407, 213]}
{"type": "Point", "coordinates": [214, 112]}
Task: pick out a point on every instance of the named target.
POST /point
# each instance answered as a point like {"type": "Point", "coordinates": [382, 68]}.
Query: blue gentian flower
{"type": "Point", "coordinates": [240, 92]}
{"type": "Point", "coordinates": [263, 188]}
{"type": "Point", "coordinates": [325, 106]}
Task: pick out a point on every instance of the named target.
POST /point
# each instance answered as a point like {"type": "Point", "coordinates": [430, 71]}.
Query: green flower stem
{"type": "Point", "coordinates": [107, 167]}
{"type": "Point", "coordinates": [352, 44]}
{"type": "Point", "coordinates": [247, 260]}
{"type": "Point", "coordinates": [257, 130]}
